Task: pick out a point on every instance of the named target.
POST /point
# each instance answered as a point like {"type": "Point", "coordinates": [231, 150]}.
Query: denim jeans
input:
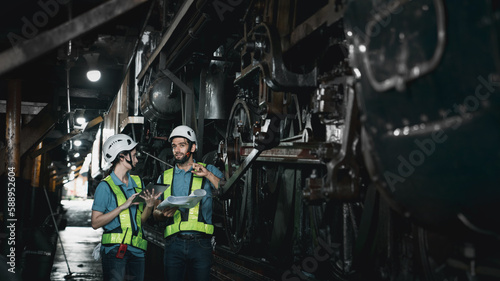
{"type": "Point", "coordinates": [192, 257]}
{"type": "Point", "coordinates": [130, 268]}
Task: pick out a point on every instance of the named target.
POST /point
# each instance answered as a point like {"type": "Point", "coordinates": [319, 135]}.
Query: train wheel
{"type": "Point", "coordinates": [385, 245]}
{"type": "Point", "coordinates": [239, 131]}
{"type": "Point", "coordinates": [235, 209]}
{"type": "Point", "coordinates": [335, 227]}
{"type": "Point", "coordinates": [433, 266]}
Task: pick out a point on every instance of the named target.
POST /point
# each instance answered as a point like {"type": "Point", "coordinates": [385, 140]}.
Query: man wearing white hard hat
{"type": "Point", "coordinates": [188, 232]}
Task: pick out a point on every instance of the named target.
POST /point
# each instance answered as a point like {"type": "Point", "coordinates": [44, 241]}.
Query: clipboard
{"type": "Point", "coordinates": [183, 201]}
{"type": "Point", "coordinates": [158, 187]}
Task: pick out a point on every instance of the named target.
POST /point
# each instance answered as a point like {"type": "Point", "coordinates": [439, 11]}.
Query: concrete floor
{"type": "Point", "coordinates": [79, 241]}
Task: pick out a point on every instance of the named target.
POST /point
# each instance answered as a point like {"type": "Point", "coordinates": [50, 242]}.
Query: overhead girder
{"type": "Point", "coordinates": [46, 41]}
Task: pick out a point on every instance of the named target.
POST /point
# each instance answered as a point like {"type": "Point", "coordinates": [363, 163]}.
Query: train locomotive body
{"type": "Point", "coordinates": [358, 139]}
{"type": "Point", "coordinates": [426, 101]}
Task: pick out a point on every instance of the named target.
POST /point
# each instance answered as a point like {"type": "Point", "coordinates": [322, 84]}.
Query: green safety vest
{"type": "Point", "coordinates": [125, 217]}
{"type": "Point", "coordinates": [194, 222]}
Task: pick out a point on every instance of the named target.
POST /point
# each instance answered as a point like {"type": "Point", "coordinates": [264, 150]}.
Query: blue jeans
{"type": "Point", "coordinates": [192, 257]}
{"type": "Point", "coordinates": [130, 268]}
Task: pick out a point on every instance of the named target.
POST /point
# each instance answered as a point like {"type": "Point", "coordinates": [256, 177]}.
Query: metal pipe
{"type": "Point", "coordinates": [168, 34]}
{"type": "Point", "coordinates": [70, 17]}
{"type": "Point", "coordinates": [138, 47]}
{"type": "Point", "coordinates": [68, 98]}
{"type": "Point", "coordinates": [13, 155]}
{"type": "Point", "coordinates": [13, 126]}
{"type": "Point", "coordinates": [191, 35]}
{"type": "Point", "coordinates": [157, 159]}
{"type": "Point", "coordinates": [201, 111]}
{"type": "Point", "coordinates": [137, 95]}
{"type": "Point", "coordinates": [68, 53]}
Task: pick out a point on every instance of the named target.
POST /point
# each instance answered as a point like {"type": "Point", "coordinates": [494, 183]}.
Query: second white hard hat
{"type": "Point", "coordinates": [183, 131]}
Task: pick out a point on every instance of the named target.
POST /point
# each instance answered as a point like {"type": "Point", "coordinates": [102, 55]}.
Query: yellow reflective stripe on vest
{"type": "Point", "coordinates": [124, 218]}
{"type": "Point", "coordinates": [192, 224]}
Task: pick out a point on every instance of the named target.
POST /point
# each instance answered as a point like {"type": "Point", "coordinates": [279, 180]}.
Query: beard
{"type": "Point", "coordinates": [182, 160]}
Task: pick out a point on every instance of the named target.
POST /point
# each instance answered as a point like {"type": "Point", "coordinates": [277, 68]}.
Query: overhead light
{"type": "Point", "coordinates": [81, 120]}
{"type": "Point", "coordinates": [77, 142]}
{"type": "Point", "coordinates": [93, 74]}
{"type": "Point", "coordinates": [69, 164]}
{"type": "Point", "coordinates": [73, 168]}
{"type": "Point", "coordinates": [77, 155]}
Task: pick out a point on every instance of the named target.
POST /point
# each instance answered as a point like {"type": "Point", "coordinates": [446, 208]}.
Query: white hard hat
{"type": "Point", "coordinates": [116, 144]}
{"type": "Point", "coordinates": [183, 131]}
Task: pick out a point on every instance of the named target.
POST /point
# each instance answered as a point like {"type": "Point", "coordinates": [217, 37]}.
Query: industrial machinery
{"type": "Point", "coordinates": [359, 139]}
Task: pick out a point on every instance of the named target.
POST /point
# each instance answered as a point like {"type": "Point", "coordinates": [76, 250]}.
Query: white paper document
{"type": "Point", "coordinates": [183, 201]}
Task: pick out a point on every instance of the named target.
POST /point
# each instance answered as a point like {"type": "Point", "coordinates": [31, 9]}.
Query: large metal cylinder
{"type": "Point", "coordinates": [216, 105]}
{"type": "Point", "coordinates": [161, 102]}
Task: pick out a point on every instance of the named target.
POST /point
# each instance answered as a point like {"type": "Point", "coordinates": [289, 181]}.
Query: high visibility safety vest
{"type": "Point", "coordinates": [194, 221]}
{"type": "Point", "coordinates": [117, 236]}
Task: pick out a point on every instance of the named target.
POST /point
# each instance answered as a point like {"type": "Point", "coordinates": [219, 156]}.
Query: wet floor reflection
{"type": "Point", "coordinates": [79, 243]}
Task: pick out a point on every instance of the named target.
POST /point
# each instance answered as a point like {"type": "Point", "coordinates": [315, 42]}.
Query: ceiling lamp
{"type": "Point", "coordinates": [77, 142]}
{"type": "Point", "coordinates": [93, 74]}
{"type": "Point", "coordinates": [81, 120]}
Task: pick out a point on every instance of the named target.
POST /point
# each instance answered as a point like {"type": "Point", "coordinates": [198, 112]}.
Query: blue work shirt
{"type": "Point", "coordinates": [181, 182]}
{"type": "Point", "coordinates": [105, 202]}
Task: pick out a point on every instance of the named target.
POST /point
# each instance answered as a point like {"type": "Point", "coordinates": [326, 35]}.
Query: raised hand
{"type": "Point", "coordinates": [150, 197]}
{"type": "Point", "coordinates": [129, 202]}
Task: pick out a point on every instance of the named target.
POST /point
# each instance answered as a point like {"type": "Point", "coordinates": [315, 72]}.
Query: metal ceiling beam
{"type": "Point", "coordinates": [329, 14]}
{"type": "Point", "coordinates": [49, 146]}
{"type": "Point", "coordinates": [81, 93]}
{"type": "Point", "coordinates": [172, 28]}
{"type": "Point", "coordinates": [46, 41]}
{"type": "Point", "coordinates": [27, 108]}
{"type": "Point", "coordinates": [54, 144]}
{"type": "Point", "coordinates": [90, 104]}
{"type": "Point", "coordinates": [37, 128]}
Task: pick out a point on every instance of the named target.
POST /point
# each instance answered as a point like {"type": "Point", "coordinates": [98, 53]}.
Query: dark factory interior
{"type": "Point", "coordinates": [358, 139]}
